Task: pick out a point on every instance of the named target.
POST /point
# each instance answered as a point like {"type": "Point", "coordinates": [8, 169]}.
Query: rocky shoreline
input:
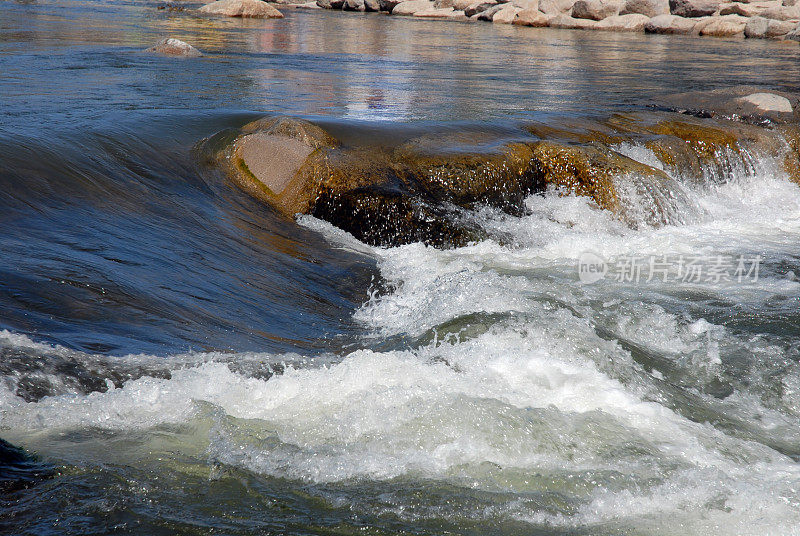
{"type": "Point", "coordinates": [770, 19]}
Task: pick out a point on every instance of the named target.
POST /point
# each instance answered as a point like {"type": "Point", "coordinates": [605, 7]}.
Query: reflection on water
{"type": "Point", "coordinates": [366, 66]}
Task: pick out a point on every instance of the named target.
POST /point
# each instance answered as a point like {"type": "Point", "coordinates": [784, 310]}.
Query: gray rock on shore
{"type": "Point", "coordinates": [596, 9]}
{"type": "Point", "coordinates": [670, 25]}
{"type": "Point", "coordinates": [693, 8]}
{"type": "Point", "coordinates": [506, 14]}
{"type": "Point", "coordinates": [759, 27]}
{"type": "Point", "coordinates": [242, 8]}
{"type": "Point", "coordinates": [727, 26]}
{"type": "Point", "coordinates": [489, 13]}
{"type": "Point", "coordinates": [777, 19]}
{"type": "Point", "coordinates": [555, 7]}
{"type": "Point", "coordinates": [650, 8]}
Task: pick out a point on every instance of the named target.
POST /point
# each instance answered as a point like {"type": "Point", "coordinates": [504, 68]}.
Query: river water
{"type": "Point", "coordinates": [176, 358]}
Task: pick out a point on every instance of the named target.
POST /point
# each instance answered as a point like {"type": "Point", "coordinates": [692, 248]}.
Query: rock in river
{"type": "Point", "coordinates": [242, 8]}
{"type": "Point", "coordinates": [175, 47]}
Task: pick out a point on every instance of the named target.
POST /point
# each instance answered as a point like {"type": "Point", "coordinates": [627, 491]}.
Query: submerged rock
{"type": "Point", "coordinates": [242, 8]}
{"type": "Point", "coordinates": [175, 47]}
{"type": "Point", "coordinates": [390, 190]}
{"type": "Point", "coordinates": [768, 102]}
{"type": "Point", "coordinates": [748, 103]}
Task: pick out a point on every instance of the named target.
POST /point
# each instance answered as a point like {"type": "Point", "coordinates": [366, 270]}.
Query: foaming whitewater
{"type": "Point", "coordinates": [491, 372]}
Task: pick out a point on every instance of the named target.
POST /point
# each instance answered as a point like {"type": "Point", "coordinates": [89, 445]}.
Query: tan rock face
{"type": "Point", "coordinates": [242, 8]}
{"type": "Point", "coordinates": [532, 17]}
{"type": "Point", "coordinates": [651, 8]}
{"type": "Point", "coordinates": [727, 26]}
{"type": "Point", "coordinates": [746, 10]}
{"type": "Point", "coordinates": [633, 22]}
{"type": "Point", "coordinates": [555, 7]}
{"type": "Point", "coordinates": [412, 6]}
{"type": "Point", "coordinates": [175, 47]}
{"type": "Point", "coordinates": [794, 35]}
{"type": "Point", "coordinates": [461, 5]}
{"type": "Point", "coordinates": [596, 9]}
{"type": "Point", "coordinates": [670, 24]}
{"type": "Point", "coordinates": [506, 14]}
{"type": "Point", "coordinates": [782, 13]}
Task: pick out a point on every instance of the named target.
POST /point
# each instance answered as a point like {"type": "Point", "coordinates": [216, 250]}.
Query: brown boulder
{"type": "Point", "coordinates": [242, 8]}
{"type": "Point", "coordinates": [532, 17]}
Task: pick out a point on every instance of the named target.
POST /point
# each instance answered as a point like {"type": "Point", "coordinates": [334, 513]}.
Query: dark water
{"type": "Point", "coordinates": [182, 360]}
